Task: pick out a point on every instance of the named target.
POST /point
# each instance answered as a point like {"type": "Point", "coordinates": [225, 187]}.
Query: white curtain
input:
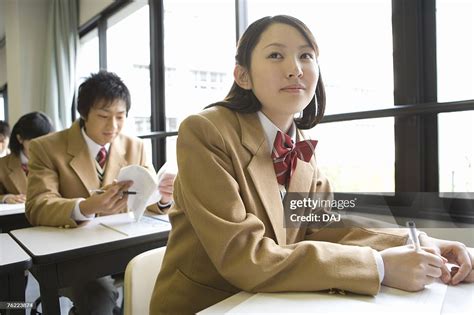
{"type": "Point", "coordinates": [60, 64]}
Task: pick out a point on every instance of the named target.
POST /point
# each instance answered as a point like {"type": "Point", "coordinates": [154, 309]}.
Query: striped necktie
{"type": "Point", "coordinates": [101, 158]}
{"type": "Point", "coordinates": [285, 155]}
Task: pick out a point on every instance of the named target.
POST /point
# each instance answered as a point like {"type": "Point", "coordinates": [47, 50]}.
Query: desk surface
{"type": "Point", "coordinates": [12, 217]}
{"type": "Point", "coordinates": [457, 300]}
{"type": "Point", "coordinates": [9, 209]}
{"type": "Point", "coordinates": [45, 244]}
{"type": "Point", "coordinates": [101, 247]}
{"type": "Point", "coordinates": [12, 256]}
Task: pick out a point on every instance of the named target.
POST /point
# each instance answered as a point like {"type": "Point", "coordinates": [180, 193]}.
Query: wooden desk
{"type": "Point", "coordinates": [12, 217]}
{"type": "Point", "coordinates": [63, 257]}
{"type": "Point", "coordinates": [13, 263]}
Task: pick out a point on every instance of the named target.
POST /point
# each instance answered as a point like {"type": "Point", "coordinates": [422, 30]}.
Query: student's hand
{"type": "Point", "coordinates": [111, 201]}
{"type": "Point", "coordinates": [456, 253]}
{"type": "Point", "coordinates": [165, 187]}
{"type": "Point", "coordinates": [409, 270]}
{"type": "Point", "coordinates": [15, 199]}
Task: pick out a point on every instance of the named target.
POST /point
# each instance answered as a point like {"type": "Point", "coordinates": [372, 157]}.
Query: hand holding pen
{"type": "Point", "coordinates": [408, 269]}
{"type": "Point", "coordinates": [113, 199]}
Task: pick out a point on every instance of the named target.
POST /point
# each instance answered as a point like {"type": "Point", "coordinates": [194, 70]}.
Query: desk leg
{"type": "Point", "coordinates": [50, 301]}
{"type": "Point", "coordinates": [13, 290]}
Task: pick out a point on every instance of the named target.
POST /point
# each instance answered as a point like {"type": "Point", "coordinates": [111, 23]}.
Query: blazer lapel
{"type": "Point", "coordinates": [81, 162]}
{"type": "Point", "coordinates": [17, 175]}
{"type": "Point", "coordinates": [115, 160]}
{"type": "Point", "coordinates": [262, 172]}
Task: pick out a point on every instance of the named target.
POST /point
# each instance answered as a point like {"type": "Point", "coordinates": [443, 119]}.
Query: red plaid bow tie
{"type": "Point", "coordinates": [285, 154]}
{"type": "Point", "coordinates": [101, 157]}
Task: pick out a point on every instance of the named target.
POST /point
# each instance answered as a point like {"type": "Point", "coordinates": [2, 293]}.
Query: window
{"type": "Point", "coordinates": [88, 56]}
{"type": "Point", "coordinates": [199, 48]}
{"type": "Point", "coordinates": [128, 55]}
{"type": "Point", "coordinates": [2, 107]}
{"type": "Point", "coordinates": [355, 42]}
{"type": "Point", "coordinates": [455, 54]}
{"type": "Point", "coordinates": [456, 152]}
{"type": "Point", "coordinates": [3, 103]}
{"type": "Point", "coordinates": [357, 156]}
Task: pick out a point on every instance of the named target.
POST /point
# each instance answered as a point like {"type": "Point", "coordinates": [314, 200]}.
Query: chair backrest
{"type": "Point", "coordinates": [139, 281]}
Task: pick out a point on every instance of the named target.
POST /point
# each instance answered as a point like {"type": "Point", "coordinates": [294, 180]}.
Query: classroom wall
{"type": "Point", "coordinates": [25, 31]}
{"type": "Point", "coordinates": [90, 8]}
{"type": "Point", "coordinates": [3, 66]}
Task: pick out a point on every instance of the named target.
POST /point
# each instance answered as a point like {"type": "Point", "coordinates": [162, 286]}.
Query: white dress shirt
{"type": "Point", "coordinates": [94, 149]}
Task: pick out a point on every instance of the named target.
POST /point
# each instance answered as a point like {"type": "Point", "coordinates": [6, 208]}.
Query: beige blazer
{"type": "Point", "coordinates": [61, 171]}
{"type": "Point", "coordinates": [227, 221]}
{"type": "Point", "coordinates": [12, 177]}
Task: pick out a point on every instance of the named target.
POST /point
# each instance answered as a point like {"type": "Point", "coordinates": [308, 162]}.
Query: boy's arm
{"type": "Point", "coordinates": [44, 204]}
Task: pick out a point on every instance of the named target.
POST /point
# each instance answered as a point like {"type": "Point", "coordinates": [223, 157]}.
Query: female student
{"type": "Point", "coordinates": [228, 232]}
{"type": "Point", "coordinates": [14, 167]}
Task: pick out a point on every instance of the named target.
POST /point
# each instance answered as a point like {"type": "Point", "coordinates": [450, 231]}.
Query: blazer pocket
{"type": "Point", "coordinates": [193, 295]}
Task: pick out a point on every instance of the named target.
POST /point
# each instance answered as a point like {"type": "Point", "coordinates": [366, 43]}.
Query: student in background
{"type": "Point", "coordinates": [235, 161]}
{"type": "Point", "coordinates": [4, 138]}
{"type": "Point", "coordinates": [66, 166]}
{"type": "Point", "coordinates": [14, 167]}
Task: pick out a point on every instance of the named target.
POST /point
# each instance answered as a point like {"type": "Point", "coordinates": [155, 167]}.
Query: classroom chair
{"type": "Point", "coordinates": [139, 281]}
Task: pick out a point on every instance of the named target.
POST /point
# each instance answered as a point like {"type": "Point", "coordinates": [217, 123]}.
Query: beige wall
{"type": "Point", "coordinates": [90, 8]}
{"type": "Point", "coordinates": [25, 28]}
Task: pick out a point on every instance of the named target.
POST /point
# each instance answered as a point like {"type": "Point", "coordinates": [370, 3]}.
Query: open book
{"type": "Point", "coordinates": [144, 184]}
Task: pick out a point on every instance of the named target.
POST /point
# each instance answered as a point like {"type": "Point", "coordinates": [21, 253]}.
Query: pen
{"type": "Point", "coordinates": [101, 191]}
{"type": "Point", "coordinates": [413, 235]}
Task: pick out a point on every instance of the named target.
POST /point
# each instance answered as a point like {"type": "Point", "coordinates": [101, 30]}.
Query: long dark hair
{"type": "Point", "coordinates": [245, 101]}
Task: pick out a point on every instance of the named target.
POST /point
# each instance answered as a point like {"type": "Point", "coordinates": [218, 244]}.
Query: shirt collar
{"type": "Point", "coordinates": [94, 147]}
{"type": "Point", "coordinates": [23, 158]}
{"type": "Point", "coordinates": [271, 130]}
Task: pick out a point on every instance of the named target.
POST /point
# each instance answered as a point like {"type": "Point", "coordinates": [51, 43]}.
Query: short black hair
{"type": "Point", "coordinates": [29, 126]}
{"type": "Point", "coordinates": [101, 87]}
{"type": "Point", "coordinates": [4, 128]}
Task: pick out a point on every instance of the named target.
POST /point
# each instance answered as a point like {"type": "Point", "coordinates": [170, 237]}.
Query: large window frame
{"type": "Point", "coordinates": [415, 94]}
{"type": "Point", "coordinates": [4, 94]}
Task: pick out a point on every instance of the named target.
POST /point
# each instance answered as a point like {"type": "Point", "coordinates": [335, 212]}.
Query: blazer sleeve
{"type": "Point", "coordinates": [44, 204]}
{"type": "Point", "coordinates": [233, 238]}
{"type": "Point", "coordinates": [354, 230]}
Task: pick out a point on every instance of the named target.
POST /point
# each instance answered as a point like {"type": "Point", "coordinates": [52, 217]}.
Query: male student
{"type": "Point", "coordinates": [66, 166]}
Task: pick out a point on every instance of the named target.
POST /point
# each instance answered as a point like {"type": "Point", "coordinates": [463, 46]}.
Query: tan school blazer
{"type": "Point", "coordinates": [13, 179]}
{"type": "Point", "coordinates": [227, 224]}
{"type": "Point", "coordinates": [61, 171]}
